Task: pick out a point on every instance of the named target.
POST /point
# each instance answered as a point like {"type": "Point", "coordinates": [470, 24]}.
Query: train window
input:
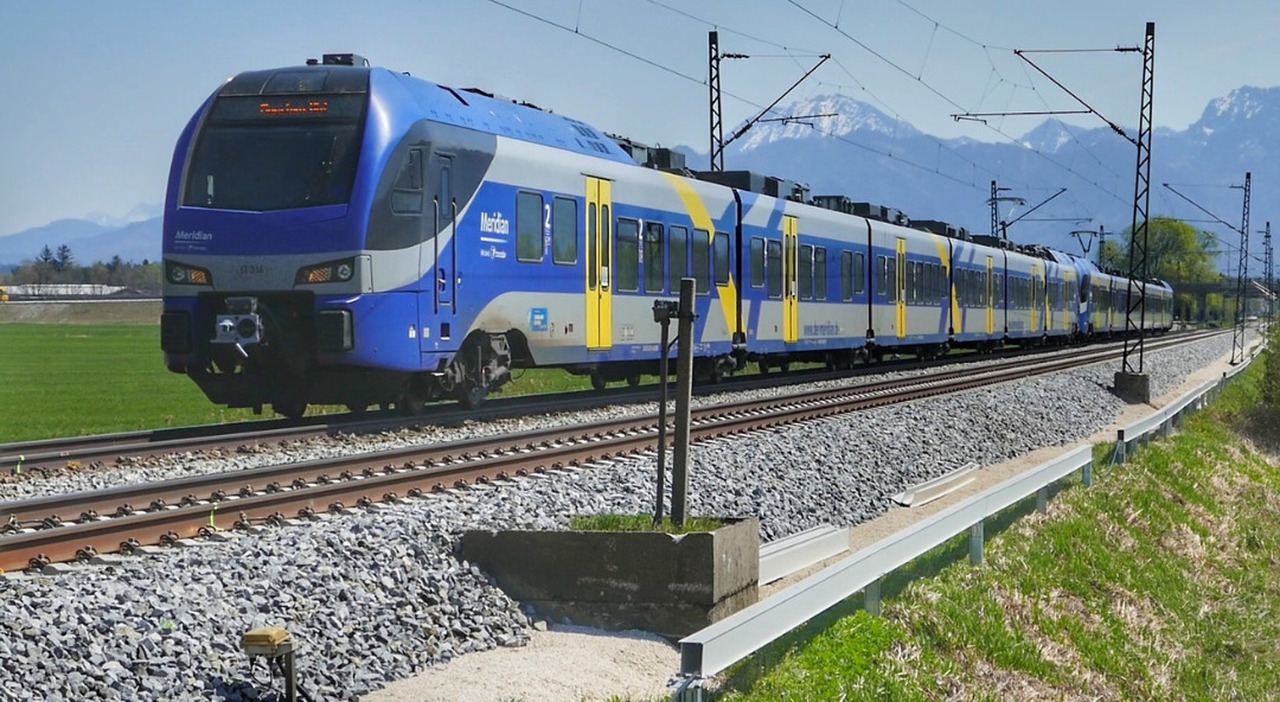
{"type": "Point", "coordinates": [891, 280]}
{"type": "Point", "coordinates": [606, 222]}
{"type": "Point", "coordinates": [721, 252]}
{"type": "Point", "coordinates": [406, 197]}
{"type": "Point", "coordinates": [859, 273]}
{"type": "Point", "coordinates": [882, 274]}
{"type": "Point", "coordinates": [820, 273]}
{"type": "Point", "coordinates": [677, 256]}
{"type": "Point", "coordinates": [846, 275]}
{"type": "Point", "coordinates": [774, 268]}
{"type": "Point", "coordinates": [654, 272]}
{"type": "Point", "coordinates": [757, 262]}
{"type": "Point", "coordinates": [806, 272]}
{"type": "Point", "coordinates": [918, 293]}
{"type": "Point", "coordinates": [909, 286]}
{"type": "Point", "coordinates": [529, 227]}
{"type": "Point", "coordinates": [564, 230]}
{"type": "Point", "coordinates": [593, 270]}
{"type": "Point", "coordinates": [702, 260]}
{"type": "Point", "coordinates": [626, 275]}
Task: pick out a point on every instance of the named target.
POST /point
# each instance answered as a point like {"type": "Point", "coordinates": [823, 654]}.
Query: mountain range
{"type": "Point", "coordinates": [863, 153]}
{"type": "Point", "coordinates": [870, 156]}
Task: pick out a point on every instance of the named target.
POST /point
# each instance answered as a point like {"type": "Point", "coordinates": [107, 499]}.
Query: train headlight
{"type": "Point", "coordinates": [339, 271]}
{"type": "Point", "coordinates": [182, 274]}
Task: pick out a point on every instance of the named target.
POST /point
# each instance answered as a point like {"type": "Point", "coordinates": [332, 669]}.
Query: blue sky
{"type": "Point", "coordinates": [95, 93]}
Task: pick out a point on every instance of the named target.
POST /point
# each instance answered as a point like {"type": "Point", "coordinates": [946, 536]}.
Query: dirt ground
{"type": "Point", "coordinates": [578, 664]}
{"type": "Point", "coordinates": [82, 312]}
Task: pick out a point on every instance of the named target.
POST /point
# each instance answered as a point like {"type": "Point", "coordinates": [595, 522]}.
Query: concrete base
{"type": "Point", "coordinates": [669, 585]}
{"type": "Point", "coordinates": [1134, 388]}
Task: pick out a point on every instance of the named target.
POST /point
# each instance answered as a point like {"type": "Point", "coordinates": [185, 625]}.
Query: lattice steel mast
{"type": "Point", "coordinates": [1242, 278]}
{"type": "Point", "coordinates": [1133, 344]}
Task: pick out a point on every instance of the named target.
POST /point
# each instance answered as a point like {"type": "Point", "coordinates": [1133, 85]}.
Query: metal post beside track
{"type": "Point", "coordinates": [663, 310]}
{"type": "Point", "coordinates": [684, 393]}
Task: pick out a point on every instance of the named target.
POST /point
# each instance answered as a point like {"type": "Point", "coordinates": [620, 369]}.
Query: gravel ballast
{"type": "Point", "coordinates": [377, 595]}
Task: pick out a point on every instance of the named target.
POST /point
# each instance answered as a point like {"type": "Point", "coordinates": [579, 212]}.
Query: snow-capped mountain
{"type": "Point", "coordinates": [931, 178]}
{"type": "Point", "coordinates": [842, 115]}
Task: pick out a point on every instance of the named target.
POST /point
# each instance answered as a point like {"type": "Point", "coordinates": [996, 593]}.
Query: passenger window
{"type": "Point", "coordinates": [677, 257]}
{"type": "Point", "coordinates": [626, 275]}
{"type": "Point", "coordinates": [564, 231]}
{"type": "Point", "coordinates": [859, 273]}
{"type": "Point", "coordinates": [406, 197]}
{"type": "Point", "coordinates": [529, 227]}
{"type": "Point", "coordinates": [775, 269]}
{"type": "Point", "coordinates": [654, 270]}
{"type": "Point", "coordinates": [757, 262]}
{"type": "Point", "coordinates": [820, 273]}
{"type": "Point", "coordinates": [806, 272]}
{"type": "Point", "coordinates": [892, 279]}
{"type": "Point", "coordinates": [721, 252]}
{"type": "Point", "coordinates": [702, 260]}
{"type": "Point", "coordinates": [909, 289]}
{"type": "Point", "coordinates": [846, 275]}
{"type": "Point", "coordinates": [882, 276]}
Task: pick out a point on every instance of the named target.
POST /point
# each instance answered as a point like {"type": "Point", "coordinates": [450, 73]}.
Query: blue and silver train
{"type": "Point", "coordinates": [341, 234]}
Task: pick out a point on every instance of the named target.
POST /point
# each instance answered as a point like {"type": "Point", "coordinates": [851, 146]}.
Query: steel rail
{"type": "Point", "coordinates": [311, 487]}
{"type": "Point", "coordinates": [48, 456]}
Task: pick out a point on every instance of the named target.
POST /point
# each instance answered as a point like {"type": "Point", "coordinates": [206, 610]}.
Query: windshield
{"type": "Point", "coordinates": [261, 153]}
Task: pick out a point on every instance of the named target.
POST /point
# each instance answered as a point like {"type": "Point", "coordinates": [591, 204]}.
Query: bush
{"type": "Point", "coordinates": [1271, 372]}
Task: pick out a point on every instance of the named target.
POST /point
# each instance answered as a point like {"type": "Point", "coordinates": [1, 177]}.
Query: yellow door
{"type": "Point", "coordinates": [599, 264]}
{"type": "Point", "coordinates": [790, 287]}
{"type": "Point", "coordinates": [902, 288]}
{"type": "Point", "coordinates": [991, 312]}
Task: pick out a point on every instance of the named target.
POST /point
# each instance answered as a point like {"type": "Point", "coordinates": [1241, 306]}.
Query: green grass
{"type": "Point", "coordinates": [640, 522]}
{"type": "Point", "coordinates": [63, 380]}
{"type": "Point", "coordinates": [1160, 582]}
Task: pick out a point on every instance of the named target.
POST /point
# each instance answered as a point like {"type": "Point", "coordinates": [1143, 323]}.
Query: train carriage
{"type": "Point", "coordinates": [341, 234]}
{"type": "Point", "coordinates": [977, 307]}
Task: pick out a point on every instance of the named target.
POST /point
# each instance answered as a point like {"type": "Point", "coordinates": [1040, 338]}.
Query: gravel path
{"type": "Point", "coordinates": [167, 626]}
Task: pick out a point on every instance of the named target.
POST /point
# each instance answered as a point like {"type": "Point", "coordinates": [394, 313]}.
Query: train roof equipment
{"type": "Point", "coordinates": [757, 183]}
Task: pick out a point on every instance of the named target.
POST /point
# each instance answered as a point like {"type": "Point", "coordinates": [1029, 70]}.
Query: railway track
{"type": "Point", "coordinates": [52, 456]}
{"type": "Point", "coordinates": [40, 531]}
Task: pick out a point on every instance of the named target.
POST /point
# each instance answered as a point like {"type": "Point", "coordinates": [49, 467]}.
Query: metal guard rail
{"type": "Point", "coordinates": [715, 648]}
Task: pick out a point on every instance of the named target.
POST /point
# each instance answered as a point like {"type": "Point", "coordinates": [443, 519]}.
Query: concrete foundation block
{"type": "Point", "coordinates": [667, 584]}
{"type": "Point", "coordinates": [1134, 388]}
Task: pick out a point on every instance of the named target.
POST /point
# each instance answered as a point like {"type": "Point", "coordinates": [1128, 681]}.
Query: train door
{"type": "Point", "coordinates": [902, 288]}
{"type": "Point", "coordinates": [599, 264]}
{"type": "Point", "coordinates": [991, 313]}
{"type": "Point", "coordinates": [1035, 298]}
{"type": "Point", "coordinates": [790, 270]}
{"type": "Point", "coordinates": [446, 280]}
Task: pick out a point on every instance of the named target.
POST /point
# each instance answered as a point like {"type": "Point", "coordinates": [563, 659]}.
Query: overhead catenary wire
{"type": "Point", "coordinates": [935, 91]}
{"type": "Point", "coordinates": [969, 183]}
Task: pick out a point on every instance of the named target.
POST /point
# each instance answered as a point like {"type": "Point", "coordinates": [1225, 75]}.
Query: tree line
{"type": "Point", "coordinates": [58, 266]}
{"type": "Point", "coordinates": [1178, 254]}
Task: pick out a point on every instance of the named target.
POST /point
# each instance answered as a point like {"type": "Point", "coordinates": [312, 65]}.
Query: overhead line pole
{"type": "Point", "coordinates": [1270, 268]}
{"type": "Point", "coordinates": [1130, 382]}
{"type": "Point", "coordinates": [1242, 275]}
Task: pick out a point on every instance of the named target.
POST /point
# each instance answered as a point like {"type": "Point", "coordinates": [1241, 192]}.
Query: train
{"type": "Point", "coordinates": [340, 234]}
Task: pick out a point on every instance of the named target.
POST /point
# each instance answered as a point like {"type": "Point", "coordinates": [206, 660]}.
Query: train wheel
{"type": "Point", "coordinates": [764, 368]}
{"type": "Point", "coordinates": [292, 410]}
{"type": "Point", "coordinates": [633, 381]}
{"type": "Point", "coordinates": [471, 395]}
{"type": "Point", "coordinates": [358, 408]}
{"type": "Point", "coordinates": [411, 403]}
{"type": "Point", "coordinates": [598, 382]}
{"type": "Point", "coordinates": [784, 367]}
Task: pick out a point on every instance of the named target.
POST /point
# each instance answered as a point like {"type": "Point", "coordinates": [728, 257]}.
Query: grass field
{"type": "Point", "coordinates": [67, 380]}
{"type": "Point", "coordinates": [1158, 583]}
